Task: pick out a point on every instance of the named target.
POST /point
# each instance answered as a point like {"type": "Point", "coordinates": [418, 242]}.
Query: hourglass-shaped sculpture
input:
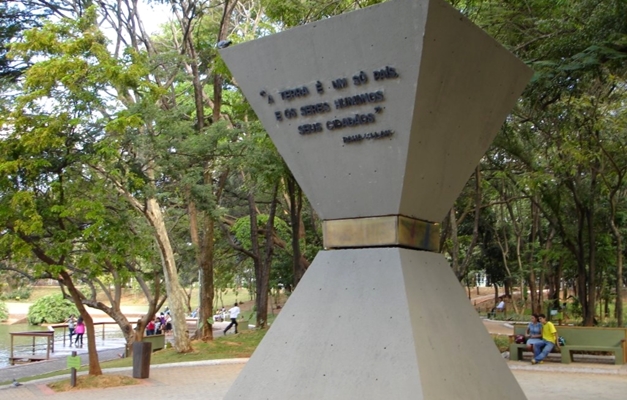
{"type": "Point", "coordinates": [381, 114]}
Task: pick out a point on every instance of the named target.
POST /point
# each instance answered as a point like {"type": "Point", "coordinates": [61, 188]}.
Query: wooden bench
{"type": "Point", "coordinates": [579, 339]}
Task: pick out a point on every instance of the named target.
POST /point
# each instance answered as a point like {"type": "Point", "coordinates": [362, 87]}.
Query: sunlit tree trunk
{"type": "Point", "coordinates": [176, 294]}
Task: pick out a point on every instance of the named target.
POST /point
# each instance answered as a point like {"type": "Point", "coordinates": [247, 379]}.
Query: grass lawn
{"type": "Point", "coordinates": [241, 345]}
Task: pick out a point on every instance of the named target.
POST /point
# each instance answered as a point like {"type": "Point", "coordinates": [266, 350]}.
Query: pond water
{"type": "Point", "coordinates": [113, 338]}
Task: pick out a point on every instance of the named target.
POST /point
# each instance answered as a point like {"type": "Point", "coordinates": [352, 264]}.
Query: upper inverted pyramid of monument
{"type": "Point", "coordinates": [381, 111]}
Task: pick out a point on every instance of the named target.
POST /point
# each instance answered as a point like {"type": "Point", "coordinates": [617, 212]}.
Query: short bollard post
{"type": "Point", "coordinates": [141, 359]}
{"type": "Point", "coordinates": [73, 363]}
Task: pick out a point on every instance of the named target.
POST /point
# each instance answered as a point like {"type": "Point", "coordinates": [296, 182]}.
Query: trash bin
{"type": "Point", "coordinates": [141, 359]}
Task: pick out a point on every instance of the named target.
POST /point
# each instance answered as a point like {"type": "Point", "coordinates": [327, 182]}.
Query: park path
{"type": "Point", "coordinates": [210, 380]}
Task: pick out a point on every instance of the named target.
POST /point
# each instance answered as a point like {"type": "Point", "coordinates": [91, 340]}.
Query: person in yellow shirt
{"type": "Point", "coordinates": [549, 340]}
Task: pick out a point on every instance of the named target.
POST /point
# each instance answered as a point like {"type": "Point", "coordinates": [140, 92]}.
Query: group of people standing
{"type": "Point", "coordinates": [541, 337]}
{"type": "Point", "coordinates": [159, 324]}
{"type": "Point", "coordinates": [76, 327]}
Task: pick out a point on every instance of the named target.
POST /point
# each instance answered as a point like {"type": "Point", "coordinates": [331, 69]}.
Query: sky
{"type": "Point", "coordinates": [153, 15]}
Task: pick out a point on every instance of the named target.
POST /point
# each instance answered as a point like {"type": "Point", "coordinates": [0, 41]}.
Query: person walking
{"type": "Point", "coordinates": [549, 340]}
{"type": "Point", "coordinates": [79, 330]}
{"type": "Point", "coordinates": [71, 325]}
{"type": "Point", "coordinates": [233, 313]}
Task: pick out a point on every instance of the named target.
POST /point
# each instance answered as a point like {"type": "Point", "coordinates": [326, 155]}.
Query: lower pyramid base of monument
{"type": "Point", "coordinates": [374, 324]}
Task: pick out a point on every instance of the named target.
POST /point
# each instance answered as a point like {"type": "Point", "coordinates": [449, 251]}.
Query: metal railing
{"type": "Point", "coordinates": [32, 349]}
{"type": "Point", "coordinates": [53, 328]}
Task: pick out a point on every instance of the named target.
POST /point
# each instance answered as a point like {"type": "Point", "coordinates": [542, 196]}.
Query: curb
{"type": "Point", "coordinates": [560, 369]}
{"type": "Point", "coordinates": [227, 361]}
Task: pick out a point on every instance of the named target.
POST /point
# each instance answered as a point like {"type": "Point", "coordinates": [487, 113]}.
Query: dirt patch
{"type": "Point", "coordinates": [94, 382]}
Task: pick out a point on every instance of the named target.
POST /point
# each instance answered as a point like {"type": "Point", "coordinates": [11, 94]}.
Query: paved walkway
{"type": "Point", "coordinates": [210, 380]}
{"type": "Point", "coordinates": [22, 371]}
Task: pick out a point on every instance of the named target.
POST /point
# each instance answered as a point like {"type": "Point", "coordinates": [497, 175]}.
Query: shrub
{"type": "Point", "coordinates": [51, 309]}
{"type": "Point", "coordinates": [17, 294]}
{"type": "Point", "coordinates": [4, 311]}
{"type": "Point", "coordinates": [501, 342]}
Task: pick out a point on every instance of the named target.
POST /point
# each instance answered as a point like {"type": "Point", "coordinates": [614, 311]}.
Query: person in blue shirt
{"type": "Point", "coordinates": [534, 332]}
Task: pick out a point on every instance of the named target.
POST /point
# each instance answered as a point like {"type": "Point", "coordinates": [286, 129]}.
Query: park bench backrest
{"type": "Point", "coordinates": [520, 329]}
{"type": "Point", "coordinates": [591, 336]}
{"type": "Point", "coordinates": [584, 335]}
{"type": "Point", "coordinates": [158, 341]}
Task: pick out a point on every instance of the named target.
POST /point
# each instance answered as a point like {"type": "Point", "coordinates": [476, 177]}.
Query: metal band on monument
{"type": "Point", "coordinates": [384, 231]}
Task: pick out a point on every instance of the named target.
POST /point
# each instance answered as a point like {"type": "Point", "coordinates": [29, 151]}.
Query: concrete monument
{"type": "Point", "coordinates": [381, 114]}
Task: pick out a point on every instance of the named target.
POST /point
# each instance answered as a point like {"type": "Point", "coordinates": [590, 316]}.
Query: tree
{"type": "Point", "coordinates": [15, 18]}
{"type": "Point", "coordinates": [555, 131]}
{"type": "Point", "coordinates": [74, 77]}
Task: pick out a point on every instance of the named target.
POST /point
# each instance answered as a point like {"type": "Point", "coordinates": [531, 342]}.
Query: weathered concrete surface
{"type": "Point", "coordinates": [373, 323]}
{"type": "Point", "coordinates": [453, 88]}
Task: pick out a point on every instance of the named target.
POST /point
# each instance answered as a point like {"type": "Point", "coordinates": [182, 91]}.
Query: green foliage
{"type": "Point", "coordinates": [14, 21]}
{"type": "Point", "coordinates": [51, 309]}
{"type": "Point", "coordinates": [296, 12]}
{"type": "Point", "coordinates": [501, 342]}
{"type": "Point", "coordinates": [241, 229]}
{"type": "Point", "coordinates": [4, 311]}
{"type": "Point", "coordinates": [576, 310]}
{"type": "Point", "coordinates": [22, 293]}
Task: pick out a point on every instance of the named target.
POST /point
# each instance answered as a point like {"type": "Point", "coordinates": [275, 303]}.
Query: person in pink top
{"type": "Point", "coordinates": [79, 331]}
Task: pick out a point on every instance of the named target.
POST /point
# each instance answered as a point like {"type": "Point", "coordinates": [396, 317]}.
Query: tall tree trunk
{"type": "Point", "coordinates": [296, 205]}
{"type": "Point", "coordinates": [579, 252]}
{"type": "Point", "coordinates": [618, 310]}
{"type": "Point", "coordinates": [531, 277]}
{"type": "Point", "coordinates": [460, 271]}
{"type": "Point", "coordinates": [176, 293]}
{"type": "Point", "coordinates": [264, 290]}
{"type": "Point", "coordinates": [619, 276]}
{"type": "Point", "coordinates": [207, 286]}
{"type": "Point", "coordinates": [204, 244]}
{"type": "Point", "coordinates": [589, 319]}
{"type": "Point", "coordinates": [533, 238]}
{"type": "Point", "coordinates": [177, 298]}
{"type": "Point", "coordinates": [257, 262]}
{"type": "Point", "coordinates": [205, 330]}
{"type": "Point", "coordinates": [555, 276]}
{"type": "Point", "coordinates": [261, 261]}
